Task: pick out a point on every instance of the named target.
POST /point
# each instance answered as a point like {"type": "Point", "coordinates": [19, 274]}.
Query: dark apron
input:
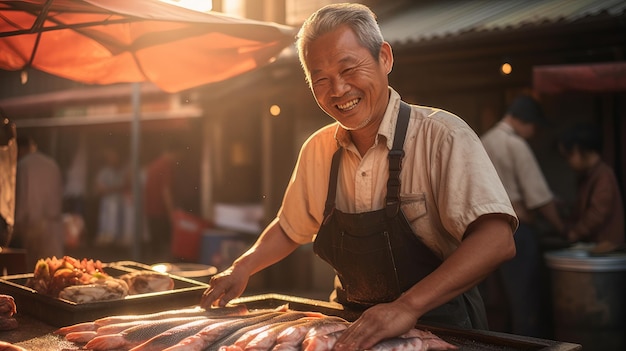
{"type": "Point", "coordinates": [376, 255]}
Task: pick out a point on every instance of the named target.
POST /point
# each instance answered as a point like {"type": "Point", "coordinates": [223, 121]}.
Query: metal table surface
{"type": "Point", "coordinates": [35, 335]}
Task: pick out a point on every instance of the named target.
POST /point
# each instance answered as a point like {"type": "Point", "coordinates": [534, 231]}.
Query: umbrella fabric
{"type": "Point", "coordinates": [114, 41]}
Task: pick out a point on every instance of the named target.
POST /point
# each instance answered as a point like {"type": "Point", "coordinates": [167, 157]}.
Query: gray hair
{"type": "Point", "coordinates": [358, 17]}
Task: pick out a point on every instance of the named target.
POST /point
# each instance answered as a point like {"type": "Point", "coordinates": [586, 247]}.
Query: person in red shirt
{"type": "Point", "coordinates": [159, 202]}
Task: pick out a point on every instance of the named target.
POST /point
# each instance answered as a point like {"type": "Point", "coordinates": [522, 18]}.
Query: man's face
{"type": "Point", "coordinates": [348, 83]}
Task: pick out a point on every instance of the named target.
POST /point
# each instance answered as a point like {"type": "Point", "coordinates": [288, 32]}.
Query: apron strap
{"type": "Point", "coordinates": [332, 185]}
{"type": "Point", "coordinates": [396, 154]}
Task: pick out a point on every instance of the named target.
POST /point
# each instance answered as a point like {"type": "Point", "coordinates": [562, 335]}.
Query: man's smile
{"type": "Point", "coordinates": [349, 105]}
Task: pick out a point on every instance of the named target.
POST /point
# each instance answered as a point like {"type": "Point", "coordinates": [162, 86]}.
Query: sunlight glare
{"type": "Point", "coordinates": [196, 5]}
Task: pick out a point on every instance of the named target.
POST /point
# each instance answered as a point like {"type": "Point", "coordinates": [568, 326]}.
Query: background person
{"type": "Point", "coordinates": [38, 203]}
{"type": "Point", "coordinates": [528, 190]}
{"type": "Point", "coordinates": [598, 215]}
{"type": "Point", "coordinates": [416, 246]}
{"type": "Point", "coordinates": [111, 186]}
{"type": "Point", "coordinates": [8, 161]}
{"type": "Point", "coordinates": [159, 202]}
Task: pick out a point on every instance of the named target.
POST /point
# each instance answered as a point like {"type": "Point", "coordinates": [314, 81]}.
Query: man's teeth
{"type": "Point", "coordinates": [348, 105]}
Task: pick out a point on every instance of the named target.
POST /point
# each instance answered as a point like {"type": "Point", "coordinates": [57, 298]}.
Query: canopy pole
{"type": "Point", "coordinates": [136, 171]}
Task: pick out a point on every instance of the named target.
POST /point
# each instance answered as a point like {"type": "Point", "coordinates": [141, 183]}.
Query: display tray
{"type": "Point", "coordinates": [60, 312]}
{"type": "Point", "coordinates": [466, 340]}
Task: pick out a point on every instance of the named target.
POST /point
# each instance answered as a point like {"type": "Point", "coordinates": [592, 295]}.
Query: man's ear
{"type": "Point", "coordinates": [386, 57]}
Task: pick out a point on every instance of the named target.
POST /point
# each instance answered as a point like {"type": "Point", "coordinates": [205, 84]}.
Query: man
{"type": "Point", "coordinates": [529, 192]}
{"type": "Point", "coordinates": [400, 248]}
{"type": "Point", "coordinates": [38, 203]}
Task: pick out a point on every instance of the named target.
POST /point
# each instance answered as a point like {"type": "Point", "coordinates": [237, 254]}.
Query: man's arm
{"type": "Point", "coordinates": [488, 242]}
{"type": "Point", "coordinates": [550, 212]}
{"type": "Point", "coordinates": [272, 246]}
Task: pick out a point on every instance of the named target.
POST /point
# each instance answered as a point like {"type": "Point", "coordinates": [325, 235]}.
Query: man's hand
{"type": "Point", "coordinates": [224, 287]}
{"type": "Point", "coordinates": [379, 322]}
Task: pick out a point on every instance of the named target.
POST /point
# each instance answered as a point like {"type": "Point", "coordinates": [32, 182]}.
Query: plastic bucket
{"type": "Point", "coordinates": [589, 298]}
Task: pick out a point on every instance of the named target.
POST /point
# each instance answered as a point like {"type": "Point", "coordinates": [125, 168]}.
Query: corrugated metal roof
{"type": "Point", "coordinates": [437, 19]}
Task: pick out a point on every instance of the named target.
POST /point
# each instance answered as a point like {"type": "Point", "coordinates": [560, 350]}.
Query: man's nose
{"type": "Point", "coordinates": [339, 87]}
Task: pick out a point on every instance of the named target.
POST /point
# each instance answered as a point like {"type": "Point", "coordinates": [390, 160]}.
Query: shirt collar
{"type": "Point", "coordinates": [387, 125]}
{"type": "Point", "coordinates": [502, 125]}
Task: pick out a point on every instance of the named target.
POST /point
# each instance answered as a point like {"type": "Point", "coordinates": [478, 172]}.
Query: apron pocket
{"type": "Point", "coordinates": [372, 278]}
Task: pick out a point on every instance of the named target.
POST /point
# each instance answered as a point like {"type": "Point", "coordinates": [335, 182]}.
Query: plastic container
{"type": "Point", "coordinates": [589, 298]}
{"type": "Point", "coordinates": [186, 235]}
{"type": "Point", "coordinates": [220, 247]}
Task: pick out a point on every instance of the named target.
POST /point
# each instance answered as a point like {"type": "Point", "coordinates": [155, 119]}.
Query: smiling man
{"type": "Point", "coordinates": [402, 201]}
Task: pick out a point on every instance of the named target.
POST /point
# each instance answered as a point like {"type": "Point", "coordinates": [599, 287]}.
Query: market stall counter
{"type": "Point", "coordinates": [34, 334]}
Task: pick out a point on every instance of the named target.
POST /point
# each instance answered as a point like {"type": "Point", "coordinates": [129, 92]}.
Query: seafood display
{"type": "Point", "coordinates": [83, 281]}
{"type": "Point", "coordinates": [7, 310]}
{"type": "Point", "coordinates": [232, 329]}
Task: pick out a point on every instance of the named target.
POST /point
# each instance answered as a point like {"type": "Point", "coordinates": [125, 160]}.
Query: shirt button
{"type": "Point", "coordinates": [363, 174]}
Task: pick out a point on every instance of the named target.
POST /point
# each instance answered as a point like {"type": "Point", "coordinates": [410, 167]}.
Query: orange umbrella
{"type": "Point", "coordinates": [113, 41]}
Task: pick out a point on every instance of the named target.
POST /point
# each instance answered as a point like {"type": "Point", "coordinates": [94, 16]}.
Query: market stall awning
{"type": "Point", "coordinates": [113, 41]}
{"type": "Point", "coordinates": [598, 77]}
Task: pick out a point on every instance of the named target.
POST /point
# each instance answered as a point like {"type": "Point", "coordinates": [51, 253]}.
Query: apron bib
{"type": "Point", "coordinates": [376, 255]}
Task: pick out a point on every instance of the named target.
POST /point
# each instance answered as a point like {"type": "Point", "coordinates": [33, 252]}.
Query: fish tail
{"type": "Point", "coordinates": [81, 336]}
{"type": "Point", "coordinates": [106, 342]}
{"type": "Point", "coordinates": [87, 326]}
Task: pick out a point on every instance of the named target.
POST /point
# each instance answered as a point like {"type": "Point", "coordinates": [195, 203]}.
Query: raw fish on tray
{"type": "Point", "coordinates": [83, 281]}
{"type": "Point", "coordinates": [231, 329]}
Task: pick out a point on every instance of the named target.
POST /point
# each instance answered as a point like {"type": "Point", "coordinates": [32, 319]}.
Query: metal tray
{"type": "Point", "coordinates": [61, 312]}
{"type": "Point", "coordinates": [466, 340]}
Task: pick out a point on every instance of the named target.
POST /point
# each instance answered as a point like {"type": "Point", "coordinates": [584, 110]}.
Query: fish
{"type": "Point", "coordinates": [246, 338]}
{"type": "Point", "coordinates": [236, 310]}
{"type": "Point", "coordinates": [217, 331]}
{"type": "Point", "coordinates": [321, 342]}
{"type": "Point", "coordinates": [291, 338]}
{"type": "Point", "coordinates": [327, 328]}
{"type": "Point", "coordinates": [267, 339]}
{"type": "Point", "coordinates": [233, 337]}
{"type": "Point", "coordinates": [86, 336]}
{"type": "Point", "coordinates": [414, 343]}
{"type": "Point", "coordinates": [172, 336]}
{"type": "Point", "coordinates": [101, 290]}
{"type": "Point", "coordinates": [5, 346]}
{"type": "Point", "coordinates": [81, 336]}
{"type": "Point", "coordinates": [136, 335]}
{"type": "Point", "coordinates": [221, 312]}
{"type": "Point", "coordinates": [80, 327]}
{"type": "Point", "coordinates": [413, 340]}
